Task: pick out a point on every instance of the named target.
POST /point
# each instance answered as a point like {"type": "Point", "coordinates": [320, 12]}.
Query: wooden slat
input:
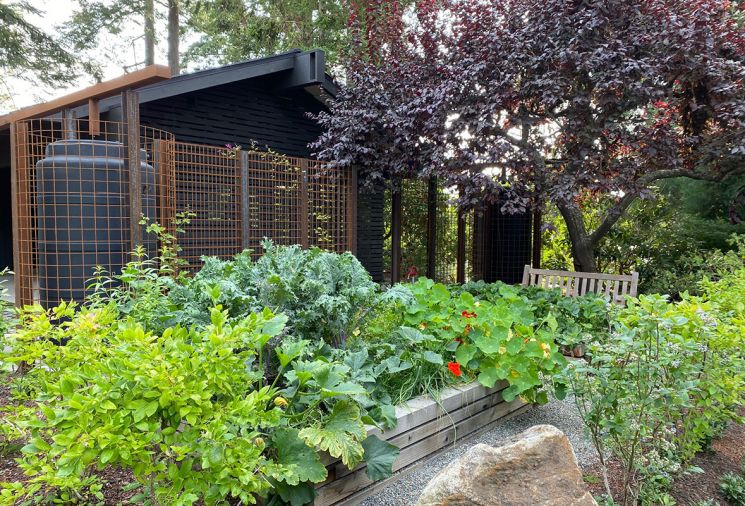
{"type": "Point", "coordinates": [432, 426]}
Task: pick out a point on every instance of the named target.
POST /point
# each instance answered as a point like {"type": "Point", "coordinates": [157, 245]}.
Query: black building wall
{"type": "Point", "coordinates": [370, 231]}
{"type": "Point", "coordinates": [238, 113]}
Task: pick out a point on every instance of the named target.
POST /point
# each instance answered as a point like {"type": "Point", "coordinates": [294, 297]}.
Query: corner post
{"type": "Point", "coordinates": [131, 114]}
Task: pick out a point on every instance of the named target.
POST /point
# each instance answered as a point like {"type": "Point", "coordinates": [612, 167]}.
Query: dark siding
{"type": "Point", "coordinates": [6, 236]}
{"type": "Point", "coordinates": [238, 113]}
{"type": "Point", "coordinates": [370, 230]}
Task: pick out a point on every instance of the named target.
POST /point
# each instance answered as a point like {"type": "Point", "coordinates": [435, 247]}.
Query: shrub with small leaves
{"type": "Point", "coordinates": [733, 488]}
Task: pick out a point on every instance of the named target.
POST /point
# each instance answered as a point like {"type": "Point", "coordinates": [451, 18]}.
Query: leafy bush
{"type": "Point", "coordinates": [578, 319]}
{"type": "Point", "coordinates": [320, 292]}
{"type": "Point", "coordinates": [189, 411]}
{"type": "Point", "coordinates": [669, 376]}
{"type": "Point", "coordinates": [7, 319]}
{"type": "Point", "coordinates": [733, 488]}
{"type": "Point", "coordinates": [442, 337]}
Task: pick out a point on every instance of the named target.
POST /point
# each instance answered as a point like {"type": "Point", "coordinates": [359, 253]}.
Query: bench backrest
{"type": "Point", "coordinates": [573, 284]}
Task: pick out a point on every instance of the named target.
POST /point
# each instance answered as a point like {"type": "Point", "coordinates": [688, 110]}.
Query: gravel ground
{"type": "Point", "coordinates": [561, 414]}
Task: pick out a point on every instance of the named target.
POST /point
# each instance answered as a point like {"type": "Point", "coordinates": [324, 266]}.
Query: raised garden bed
{"type": "Point", "coordinates": [424, 427]}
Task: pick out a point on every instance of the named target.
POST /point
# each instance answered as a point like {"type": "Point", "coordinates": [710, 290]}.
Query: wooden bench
{"type": "Point", "coordinates": [574, 284]}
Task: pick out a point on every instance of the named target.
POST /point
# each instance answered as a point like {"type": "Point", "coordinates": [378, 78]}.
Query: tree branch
{"type": "Point", "coordinates": [615, 213]}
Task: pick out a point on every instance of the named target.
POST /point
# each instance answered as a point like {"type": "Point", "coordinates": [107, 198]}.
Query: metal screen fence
{"type": "Point", "coordinates": [77, 184]}
{"type": "Point", "coordinates": [414, 231]}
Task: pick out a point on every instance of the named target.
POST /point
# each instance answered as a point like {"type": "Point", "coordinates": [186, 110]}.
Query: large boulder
{"type": "Point", "coordinates": [535, 468]}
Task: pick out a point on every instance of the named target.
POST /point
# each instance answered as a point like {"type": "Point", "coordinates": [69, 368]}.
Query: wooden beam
{"type": "Point", "coordinates": [432, 227]}
{"type": "Point", "coordinates": [21, 214]}
{"type": "Point", "coordinates": [94, 117]}
{"type": "Point", "coordinates": [131, 113]}
{"type": "Point", "coordinates": [396, 234]}
{"type": "Point", "coordinates": [351, 218]}
{"type": "Point", "coordinates": [460, 269]}
{"type": "Point", "coordinates": [245, 212]}
{"type": "Point", "coordinates": [148, 75]}
{"type": "Point", "coordinates": [303, 208]}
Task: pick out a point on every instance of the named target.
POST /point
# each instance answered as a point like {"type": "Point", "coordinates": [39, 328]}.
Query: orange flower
{"type": "Point", "coordinates": [467, 314]}
{"type": "Point", "coordinates": [455, 368]}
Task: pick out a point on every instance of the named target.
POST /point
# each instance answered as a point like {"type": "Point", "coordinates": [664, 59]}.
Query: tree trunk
{"type": "Point", "coordinates": [149, 32]}
{"type": "Point", "coordinates": [582, 248]}
{"type": "Point", "coordinates": [173, 37]}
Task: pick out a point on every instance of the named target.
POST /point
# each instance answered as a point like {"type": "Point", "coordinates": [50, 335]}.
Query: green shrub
{"type": "Point", "coordinates": [322, 293]}
{"type": "Point", "coordinates": [189, 411]}
{"type": "Point", "coordinates": [733, 488]}
{"type": "Point", "coordinates": [667, 379]}
{"type": "Point", "coordinates": [444, 338]}
{"type": "Point", "coordinates": [7, 315]}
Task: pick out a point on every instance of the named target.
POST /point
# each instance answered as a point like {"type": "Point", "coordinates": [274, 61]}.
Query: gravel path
{"type": "Point", "coordinates": [562, 414]}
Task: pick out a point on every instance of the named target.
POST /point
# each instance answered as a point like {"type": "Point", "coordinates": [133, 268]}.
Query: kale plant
{"type": "Point", "coordinates": [322, 293]}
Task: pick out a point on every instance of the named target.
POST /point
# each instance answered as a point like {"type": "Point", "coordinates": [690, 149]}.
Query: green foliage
{"type": "Point", "coordinates": [664, 382]}
{"type": "Point", "coordinates": [733, 488]}
{"type": "Point", "coordinates": [320, 292]}
{"type": "Point", "coordinates": [498, 339]}
{"type": "Point", "coordinates": [28, 52]}
{"type": "Point", "coordinates": [7, 313]}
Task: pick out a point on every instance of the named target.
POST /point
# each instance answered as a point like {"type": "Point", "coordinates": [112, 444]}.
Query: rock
{"type": "Point", "coordinates": [535, 468]}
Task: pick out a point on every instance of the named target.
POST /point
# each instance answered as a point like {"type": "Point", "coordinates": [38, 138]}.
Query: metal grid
{"type": "Point", "coordinates": [76, 186]}
{"type": "Point", "coordinates": [72, 201]}
{"type": "Point", "coordinates": [207, 184]}
{"type": "Point", "coordinates": [414, 230]}
{"type": "Point", "coordinates": [239, 198]}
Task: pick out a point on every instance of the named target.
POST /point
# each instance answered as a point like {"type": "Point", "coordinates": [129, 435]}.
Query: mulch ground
{"type": "Point", "coordinates": [725, 456]}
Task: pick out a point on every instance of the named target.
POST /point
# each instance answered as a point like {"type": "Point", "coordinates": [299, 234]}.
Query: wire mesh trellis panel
{"type": "Point", "coordinates": [72, 201]}
{"type": "Point", "coordinates": [207, 182]}
{"type": "Point", "coordinates": [446, 258]}
{"type": "Point", "coordinates": [75, 192]}
{"type": "Point", "coordinates": [239, 198]}
{"type": "Point", "coordinates": [414, 230]}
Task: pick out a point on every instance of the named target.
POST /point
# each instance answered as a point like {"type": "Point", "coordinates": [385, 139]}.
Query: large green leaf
{"type": "Point", "coordinates": [379, 457]}
{"type": "Point", "coordinates": [296, 495]}
{"type": "Point", "coordinates": [465, 354]}
{"type": "Point", "coordinates": [490, 343]}
{"type": "Point", "coordinates": [339, 434]}
{"type": "Point", "coordinates": [301, 461]}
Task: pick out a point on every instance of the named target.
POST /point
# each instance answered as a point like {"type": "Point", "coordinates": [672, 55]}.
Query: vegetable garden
{"type": "Point", "coordinates": [230, 385]}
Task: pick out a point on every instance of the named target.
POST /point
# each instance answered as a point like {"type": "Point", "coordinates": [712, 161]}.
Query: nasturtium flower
{"type": "Point", "coordinates": [454, 368]}
{"type": "Point", "coordinates": [468, 314]}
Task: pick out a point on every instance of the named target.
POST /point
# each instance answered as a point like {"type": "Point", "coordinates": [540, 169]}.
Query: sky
{"type": "Point", "coordinates": [114, 53]}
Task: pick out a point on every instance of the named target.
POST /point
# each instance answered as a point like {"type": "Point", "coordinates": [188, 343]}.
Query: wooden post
{"type": "Point", "coordinates": [460, 269]}
{"type": "Point", "coordinates": [131, 114]}
{"type": "Point", "coordinates": [395, 235]}
{"type": "Point", "coordinates": [303, 216]}
{"type": "Point", "coordinates": [94, 118]}
{"type": "Point", "coordinates": [432, 227]}
{"type": "Point", "coordinates": [163, 162]}
{"type": "Point", "coordinates": [351, 218]}
{"type": "Point", "coordinates": [245, 212]}
{"type": "Point", "coordinates": [537, 239]}
{"type": "Point", "coordinates": [21, 215]}
{"type": "Point", "coordinates": [69, 130]}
